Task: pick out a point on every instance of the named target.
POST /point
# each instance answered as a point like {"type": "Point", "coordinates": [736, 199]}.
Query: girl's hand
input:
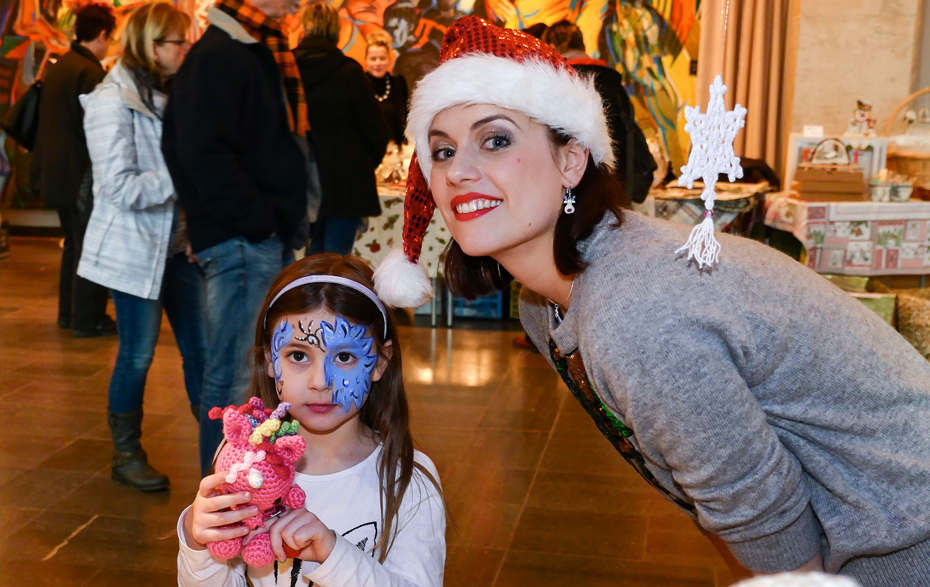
{"type": "Point", "coordinates": [303, 532]}
{"type": "Point", "coordinates": [204, 521]}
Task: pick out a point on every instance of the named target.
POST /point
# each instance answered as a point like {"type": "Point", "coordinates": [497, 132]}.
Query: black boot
{"type": "Point", "coordinates": [130, 465]}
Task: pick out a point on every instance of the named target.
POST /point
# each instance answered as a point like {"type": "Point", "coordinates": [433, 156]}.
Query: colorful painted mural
{"type": "Point", "coordinates": [651, 42]}
{"type": "Point", "coordinates": [34, 33]}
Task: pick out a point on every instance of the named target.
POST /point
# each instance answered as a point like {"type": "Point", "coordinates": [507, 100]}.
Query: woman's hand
{"type": "Point", "coordinates": [191, 258]}
{"type": "Point", "coordinates": [302, 532]}
{"type": "Point", "coordinates": [205, 520]}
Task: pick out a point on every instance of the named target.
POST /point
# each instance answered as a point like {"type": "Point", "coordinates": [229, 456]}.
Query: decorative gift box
{"type": "Point", "coordinates": [829, 183]}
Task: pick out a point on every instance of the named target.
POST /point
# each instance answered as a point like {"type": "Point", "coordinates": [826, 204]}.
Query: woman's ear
{"type": "Point", "coordinates": [384, 357]}
{"type": "Point", "coordinates": [573, 161]}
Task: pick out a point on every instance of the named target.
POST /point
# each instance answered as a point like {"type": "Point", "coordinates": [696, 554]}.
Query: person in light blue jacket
{"type": "Point", "coordinates": [135, 242]}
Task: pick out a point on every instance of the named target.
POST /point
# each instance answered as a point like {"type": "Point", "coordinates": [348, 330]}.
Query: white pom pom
{"type": "Point", "coordinates": [400, 283]}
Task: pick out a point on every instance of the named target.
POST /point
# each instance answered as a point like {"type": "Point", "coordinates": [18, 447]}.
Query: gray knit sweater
{"type": "Point", "coordinates": [792, 417]}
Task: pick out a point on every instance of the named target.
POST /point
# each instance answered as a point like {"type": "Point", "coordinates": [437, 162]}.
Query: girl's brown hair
{"type": "Point", "coordinates": [598, 193]}
{"type": "Point", "coordinates": [385, 410]}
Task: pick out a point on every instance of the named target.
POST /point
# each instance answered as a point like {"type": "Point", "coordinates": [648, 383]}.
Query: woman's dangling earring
{"type": "Point", "coordinates": [568, 200]}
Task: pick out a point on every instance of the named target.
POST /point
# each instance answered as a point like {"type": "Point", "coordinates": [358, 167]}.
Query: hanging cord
{"type": "Point", "coordinates": [712, 135]}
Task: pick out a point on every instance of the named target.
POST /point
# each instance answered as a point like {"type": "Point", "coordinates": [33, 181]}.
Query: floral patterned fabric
{"type": "Point", "coordinates": [857, 238]}
{"type": "Point", "coordinates": [386, 231]}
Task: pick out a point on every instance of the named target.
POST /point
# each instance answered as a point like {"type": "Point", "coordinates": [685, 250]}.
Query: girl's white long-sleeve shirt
{"type": "Point", "coordinates": [348, 502]}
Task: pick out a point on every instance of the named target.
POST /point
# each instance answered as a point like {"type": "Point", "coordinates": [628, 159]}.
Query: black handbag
{"type": "Point", "coordinates": [21, 123]}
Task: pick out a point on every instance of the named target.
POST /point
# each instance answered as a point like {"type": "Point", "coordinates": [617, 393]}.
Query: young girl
{"type": "Point", "coordinates": [374, 513]}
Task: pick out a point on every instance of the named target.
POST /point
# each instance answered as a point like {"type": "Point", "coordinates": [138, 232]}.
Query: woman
{"type": "Point", "coordinates": [135, 241]}
{"type": "Point", "coordinates": [390, 90]}
{"type": "Point", "coordinates": [789, 421]}
{"type": "Point", "coordinates": [348, 132]}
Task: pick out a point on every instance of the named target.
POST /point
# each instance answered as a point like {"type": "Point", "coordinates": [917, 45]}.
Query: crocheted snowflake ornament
{"type": "Point", "coordinates": [259, 455]}
{"type": "Point", "coordinates": [712, 137]}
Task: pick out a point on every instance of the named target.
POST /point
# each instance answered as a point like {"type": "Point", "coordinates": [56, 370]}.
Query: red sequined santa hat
{"type": "Point", "coordinates": [480, 63]}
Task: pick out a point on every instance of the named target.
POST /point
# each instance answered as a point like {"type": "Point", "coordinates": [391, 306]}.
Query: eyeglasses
{"type": "Point", "coordinates": [173, 42]}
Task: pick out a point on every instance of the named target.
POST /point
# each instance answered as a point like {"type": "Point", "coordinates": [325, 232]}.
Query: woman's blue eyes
{"type": "Point", "coordinates": [443, 153]}
{"type": "Point", "coordinates": [495, 142]}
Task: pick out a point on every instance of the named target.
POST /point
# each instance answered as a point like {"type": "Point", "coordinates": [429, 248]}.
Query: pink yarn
{"type": "Point", "coordinates": [225, 549]}
{"type": "Point", "coordinates": [269, 464]}
{"type": "Point", "coordinates": [258, 553]}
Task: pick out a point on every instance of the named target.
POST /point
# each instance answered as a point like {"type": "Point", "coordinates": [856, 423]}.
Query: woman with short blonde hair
{"type": "Point", "coordinates": [154, 39]}
{"type": "Point", "coordinates": [390, 90]}
{"type": "Point", "coordinates": [135, 240]}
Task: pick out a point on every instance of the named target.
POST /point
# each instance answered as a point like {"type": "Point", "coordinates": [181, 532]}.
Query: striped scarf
{"type": "Point", "coordinates": [269, 32]}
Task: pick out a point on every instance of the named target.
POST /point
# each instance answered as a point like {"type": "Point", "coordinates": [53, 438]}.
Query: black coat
{"type": "Point", "coordinates": [61, 158]}
{"type": "Point", "coordinates": [237, 167]}
{"type": "Point", "coordinates": [393, 106]}
{"type": "Point", "coordinates": [349, 133]}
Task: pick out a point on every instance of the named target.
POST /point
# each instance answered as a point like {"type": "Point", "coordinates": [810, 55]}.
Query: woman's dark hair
{"type": "Point", "coordinates": [565, 36]}
{"type": "Point", "coordinates": [386, 409]}
{"type": "Point", "coordinates": [92, 19]}
{"type": "Point", "coordinates": [536, 30]}
{"type": "Point", "coordinates": [597, 194]}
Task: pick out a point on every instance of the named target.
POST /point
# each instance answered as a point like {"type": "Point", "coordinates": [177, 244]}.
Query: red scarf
{"type": "Point", "coordinates": [269, 32]}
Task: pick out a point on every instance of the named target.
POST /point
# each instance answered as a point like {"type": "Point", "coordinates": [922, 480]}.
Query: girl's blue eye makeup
{"type": "Point", "coordinates": [349, 362]}
{"type": "Point", "coordinates": [279, 339]}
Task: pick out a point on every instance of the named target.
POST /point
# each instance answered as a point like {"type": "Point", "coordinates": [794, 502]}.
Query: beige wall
{"type": "Point", "coordinates": [849, 50]}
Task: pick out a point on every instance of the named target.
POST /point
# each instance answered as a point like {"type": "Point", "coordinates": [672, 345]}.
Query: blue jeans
{"type": "Point", "coordinates": [138, 322]}
{"type": "Point", "coordinates": [333, 234]}
{"type": "Point", "coordinates": [239, 274]}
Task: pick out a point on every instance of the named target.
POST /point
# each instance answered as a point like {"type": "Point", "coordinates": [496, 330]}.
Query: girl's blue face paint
{"type": "Point", "coordinates": [350, 359]}
{"type": "Point", "coordinates": [279, 338]}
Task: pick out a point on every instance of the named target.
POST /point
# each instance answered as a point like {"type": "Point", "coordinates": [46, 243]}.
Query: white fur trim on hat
{"type": "Point", "coordinates": [555, 97]}
{"type": "Point", "coordinates": [400, 283]}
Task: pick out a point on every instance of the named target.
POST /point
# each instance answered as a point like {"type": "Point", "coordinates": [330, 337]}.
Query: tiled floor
{"type": "Point", "coordinates": [537, 496]}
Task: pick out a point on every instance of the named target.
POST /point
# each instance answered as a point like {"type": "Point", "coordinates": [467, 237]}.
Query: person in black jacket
{"type": "Point", "coordinates": [349, 134]}
{"type": "Point", "coordinates": [234, 141]}
{"type": "Point", "coordinates": [390, 90]}
{"type": "Point", "coordinates": [635, 165]}
{"type": "Point", "coordinates": [61, 166]}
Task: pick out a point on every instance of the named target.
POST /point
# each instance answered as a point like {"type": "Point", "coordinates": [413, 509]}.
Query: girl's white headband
{"type": "Point", "coordinates": [337, 281]}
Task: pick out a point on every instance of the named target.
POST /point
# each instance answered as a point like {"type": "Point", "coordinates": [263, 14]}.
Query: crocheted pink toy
{"type": "Point", "coordinates": [259, 454]}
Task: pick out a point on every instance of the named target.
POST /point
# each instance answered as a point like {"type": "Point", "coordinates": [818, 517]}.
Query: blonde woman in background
{"type": "Point", "coordinates": [390, 90]}
{"type": "Point", "coordinates": [135, 242]}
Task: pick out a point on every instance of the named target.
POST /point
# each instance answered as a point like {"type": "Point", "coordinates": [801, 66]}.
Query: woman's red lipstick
{"type": "Point", "coordinates": [467, 199]}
